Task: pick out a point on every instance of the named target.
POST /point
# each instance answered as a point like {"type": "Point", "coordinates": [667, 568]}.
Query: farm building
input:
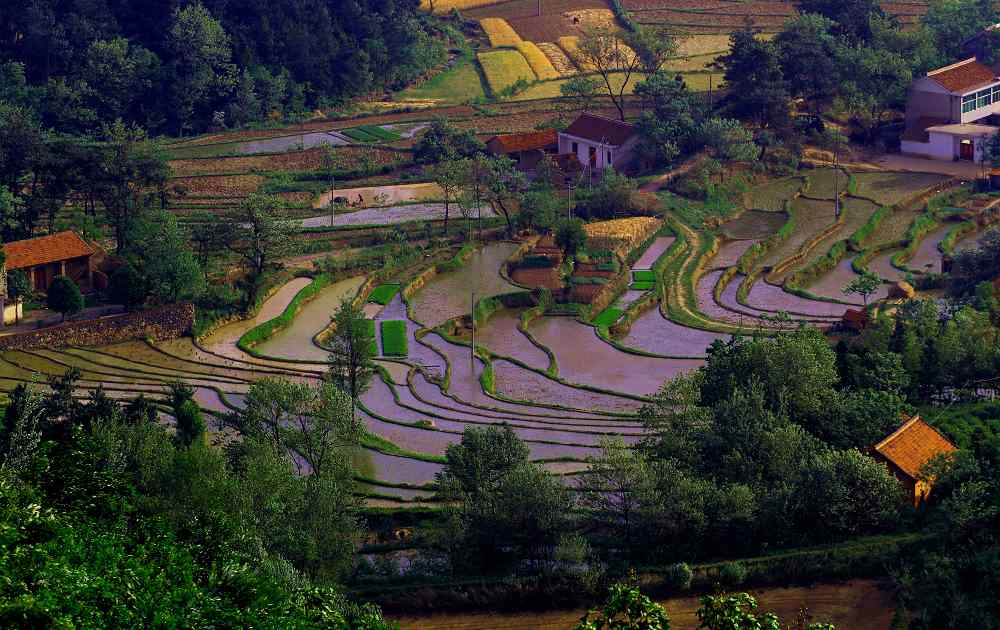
{"type": "Point", "coordinates": [599, 142]}
{"type": "Point", "coordinates": [907, 450]}
{"type": "Point", "coordinates": [951, 110]}
{"type": "Point", "coordinates": [527, 149]}
{"type": "Point", "coordinates": [45, 257]}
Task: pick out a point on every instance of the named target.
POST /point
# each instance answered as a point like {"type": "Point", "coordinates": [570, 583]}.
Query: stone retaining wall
{"type": "Point", "coordinates": [167, 322]}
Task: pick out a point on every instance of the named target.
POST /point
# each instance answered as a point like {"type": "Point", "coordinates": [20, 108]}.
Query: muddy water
{"type": "Point", "coordinates": [450, 295]}
{"type": "Point", "coordinates": [656, 249]}
{"type": "Point", "coordinates": [516, 382]}
{"type": "Point", "coordinates": [882, 266]}
{"type": "Point", "coordinates": [393, 468]}
{"type": "Point", "coordinates": [654, 333]}
{"type": "Point", "coordinates": [465, 386]}
{"type": "Point", "coordinates": [626, 298]}
{"type": "Point", "coordinates": [852, 605]}
{"type": "Point", "coordinates": [754, 225]}
{"type": "Point", "coordinates": [295, 342]}
{"type": "Point", "coordinates": [583, 358]}
{"type": "Point", "coordinates": [223, 341]}
{"type": "Point", "coordinates": [832, 283]}
{"type": "Point", "coordinates": [729, 254]}
{"type": "Point", "coordinates": [744, 314]}
{"type": "Point", "coordinates": [501, 335]}
{"type": "Point", "coordinates": [927, 258]}
{"type": "Point", "coordinates": [767, 297]}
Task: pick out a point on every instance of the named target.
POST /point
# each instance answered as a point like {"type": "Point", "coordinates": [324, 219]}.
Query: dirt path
{"type": "Point", "coordinates": [854, 605]}
{"type": "Point", "coordinates": [663, 179]}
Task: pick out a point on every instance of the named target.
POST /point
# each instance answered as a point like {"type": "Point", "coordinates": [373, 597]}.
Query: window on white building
{"type": "Point", "coordinates": [576, 148]}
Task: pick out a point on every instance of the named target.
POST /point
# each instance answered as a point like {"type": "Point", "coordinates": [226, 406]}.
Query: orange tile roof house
{"type": "Point", "coordinates": [950, 110]}
{"type": "Point", "coordinates": [45, 257]}
{"type": "Point", "coordinates": [599, 142]}
{"type": "Point", "coordinates": [907, 450]}
{"type": "Point", "coordinates": [524, 148]}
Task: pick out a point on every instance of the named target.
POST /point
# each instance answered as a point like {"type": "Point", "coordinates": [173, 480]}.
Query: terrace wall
{"type": "Point", "coordinates": [167, 322]}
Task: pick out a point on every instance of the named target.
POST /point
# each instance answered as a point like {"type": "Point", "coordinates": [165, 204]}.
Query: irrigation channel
{"type": "Point", "coordinates": [560, 383]}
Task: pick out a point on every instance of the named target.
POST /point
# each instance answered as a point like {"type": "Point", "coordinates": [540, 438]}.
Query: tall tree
{"type": "Point", "coordinates": [852, 17]}
{"type": "Point", "coordinates": [450, 176]}
{"type": "Point", "coordinates": [618, 56]}
{"type": "Point", "coordinates": [257, 232]}
{"type": "Point", "coordinates": [757, 88]}
{"type": "Point", "coordinates": [352, 348]}
{"type": "Point", "coordinates": [808, 51]}
{"type": "Point", "coordinates": [504, 185]}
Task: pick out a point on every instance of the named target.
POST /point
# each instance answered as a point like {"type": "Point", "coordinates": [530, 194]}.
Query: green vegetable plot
{"type": "Point", "coordinates": [394, 343]}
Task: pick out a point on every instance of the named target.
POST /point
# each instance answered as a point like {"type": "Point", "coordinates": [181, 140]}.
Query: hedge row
{"type": "Point", "coordinates": [947, 244]}
{"type": "Point", "coordinates": [264, 331]}
{"type": "Point", "coordinates": [866, 230]}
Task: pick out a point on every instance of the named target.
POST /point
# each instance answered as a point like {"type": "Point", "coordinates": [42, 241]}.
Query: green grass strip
{"type": "Point", "coordinates": [608, 317]}
{"type": "Point", "coordinates": [383, 293]}
{"type": "Point", "coordinates": [642, 286]}
{"type": "Point", "coordinates": [380, 133]}
{"type": "Point", "coordinates": [394, 342]}
{"type": "Point", "coordinates": [643, 275]}
{"type": "Point", "coordinates": [263, 332]}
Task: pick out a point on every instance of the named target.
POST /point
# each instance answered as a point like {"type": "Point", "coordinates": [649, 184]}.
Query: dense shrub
{"type": "Point", "coordinates": [732, 574]}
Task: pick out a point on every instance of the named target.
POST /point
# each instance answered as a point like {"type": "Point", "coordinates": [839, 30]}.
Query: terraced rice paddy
{"type": "Point", "coordinates": [654, 333]}
{"type": "Point", "coordinates": [810, 217]}
{"type": "Point", "coordinates": [892, 188]}
{"type": "Point", "coordinates": [656, 249]}
{"type": "Point", "coordinates": [765, 296]}
{"type": "Point", "coordinates": [754, 224]}
{"type": "Point", "coordinates": [296, 342]}
{"type": "Point", "coordinates": [832, 284]}
{"type": "Point", "coordinates": [450, 295]}
{"type": "Point", "coordinates": [927, 257]}
{"type": "Point", "coordinates": [583, 358]}
{"type": "Point", "coordinates": [501, 335]}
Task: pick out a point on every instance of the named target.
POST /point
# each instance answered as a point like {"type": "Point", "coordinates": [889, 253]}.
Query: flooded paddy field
{"type": "Point", "coordinates": [832, 283]}
{"type": "Point", "coordinates": [927, 257]}
{"type": "Point", "coordinates": [501, 335]}
{"type": "Point", "coordinates": [753, 225]}
{"type": "Point", "coordinates": [652, 332]}
{"type": "Point", "coordinates": [653, 252]}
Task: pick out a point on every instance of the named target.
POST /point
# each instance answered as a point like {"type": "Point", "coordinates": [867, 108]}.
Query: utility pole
{"type": "Point", "coordinates": [836, 184]}
{"type": "Point", "coordinates": [472, 350]}
{"type": "Point", "coordinates": [333, 195]}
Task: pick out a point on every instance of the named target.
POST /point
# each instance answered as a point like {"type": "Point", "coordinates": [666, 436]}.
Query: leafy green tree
{"type": "Point", "coordinates": [728, 140]}
{"type": "Point", "coordinates": [21, 147]}
{"type": "Point", "coordinates": [120, 75]}
{"type": "Point", "coordinates": [128, 287]}
{"type": "Point", "coordinates": [808, 51]}
{"type": "Point", "coordinates": [503, 186]}
{"type": "Point", "coordinates": [190, 424]}
{"type": "Point", "coordinates": [20, 431]}
{"type": "Point", "coordinates": [955, 22]}
{"type": "Point", "coordinates": [257, 232]}
{"type": "Point", "coordinates": [864, 285]}
{"type": "Point", "coordinates": [625, 608]}
{"type": "Point", "coordinates": [539, 211]}
{"type": "Point", "coordinates": [442, 142]}
{"type": "Point", "coordinates": [159, 249]}
{"type": "Point", "coordinates": [669, 124]}
{"type": "Point", "coordinates": [64, 296]}
{"type": "Point", "coordinates": [18, 290]}
{"type": "Point", "coordinates": [130, 171]}
{"type": "Point", "coordinates": [757, 88]}
{"type": "Point", "coordinates": [852, 17]}
{"type": "Point", "coordinates": [570, 236]}
{"type": "Point", "coordinates": [876, 81]}
{"type": "Point", "coordinates": [451, 177]}
{"type": "Point", "coordinates": [352, 350]}
{"type": "Point", "coordinates": [616, 485]}
{"type": "Point", "coordinates": [201, 65]}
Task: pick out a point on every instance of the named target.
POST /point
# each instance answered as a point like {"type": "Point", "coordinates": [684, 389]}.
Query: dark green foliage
{"type": "Point", "coordinates": [642, 286]}
{"type": "Point", "coordinates": [190, 424]}
{"type": "Point", "coordinates": [570, 236]}
{"type": "Point", "coordinates": [678, 577]}
{"type": "Point", "coordinates": [383, 293]}
{"type": "Point", "coordinates": [352, 347]}
{"type": "Point", "coordinates": [612, 197]}
{"type": "Point", "coordinates": [128, 287]}
{"type": "Point", "coordinates": [185, 68]}
{"type": "Point", "coordinates": [643, 275]}
{"type": "Point", "coordinates": [64, 296]}
{"type": "Point", "coordinates": [852, 18]}
{"type": "Point", "coordinates": [442, 142]}
{"type": "Point", "coordinates": [394, 340]}
{"type": "Point", "coordinates": [18, 289]}
{"type": "Point", "coordinates": [536, 261]}
{"type": "Point", "coordinates": [757, 88]}
{"type": "Point", "coordinates": [732, 574]}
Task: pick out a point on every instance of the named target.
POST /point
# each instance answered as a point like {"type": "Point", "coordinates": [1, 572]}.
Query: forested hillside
{"type": "Point", "coordinates": [181, 67]}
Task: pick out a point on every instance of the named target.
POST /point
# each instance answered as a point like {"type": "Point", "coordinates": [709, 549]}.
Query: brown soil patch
{"type": "Point", "coordinates": [308, 160]}
{"type": "Point", "coordinates": [218, 186]}
{"type": "Point", "coordinates": [529, 8]}
{"type": "Point", "coordinates": [538, 278]}
{"type": "Point", "coordinates": [854, 605]}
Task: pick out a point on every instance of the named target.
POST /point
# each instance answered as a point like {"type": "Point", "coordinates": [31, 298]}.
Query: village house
{"type": "Point", "coordinates": [45, 257]}
{"type": "Point", "coordinates": [907, 450]}
{"type": "Point", "coordinates": [526, 149]}
{"type": "Point", "coordinates": [599, 142]}
{"type": "Point", "coordinates": [951, 110]}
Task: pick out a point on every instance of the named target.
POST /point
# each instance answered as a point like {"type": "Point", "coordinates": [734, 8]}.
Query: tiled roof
{"type": "Point", "coordinates": [514, 142]}
{"type": "Point", "coordinates": [913, 445]}
{"type": "Point", "coordinates": [45, 249]}
{"type": "Point", "coordinates": [963, 76]}
{"type": "Point", "coordinates": [600, 129]}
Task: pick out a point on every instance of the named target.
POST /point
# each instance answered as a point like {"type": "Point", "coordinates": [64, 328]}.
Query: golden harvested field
{"type": "Point", "coordinates": [504, 68]}
{"type": "Point", "coordinates": [620, 235]}
{"type": "Point", "coordinates": [539, 63]}
{"type": "Point", "coordinates": [499, 32]}
{"type": "Point", "coordinates": [695, 45]}
{"type": "Point", "coordinates": [218, 186]}
{"type": "Point", "coordinates": [444, 6]}
{"type": "Point", "coordinates": [559, 60]}
{"type": "Point", "coordinates": [570, 44]}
